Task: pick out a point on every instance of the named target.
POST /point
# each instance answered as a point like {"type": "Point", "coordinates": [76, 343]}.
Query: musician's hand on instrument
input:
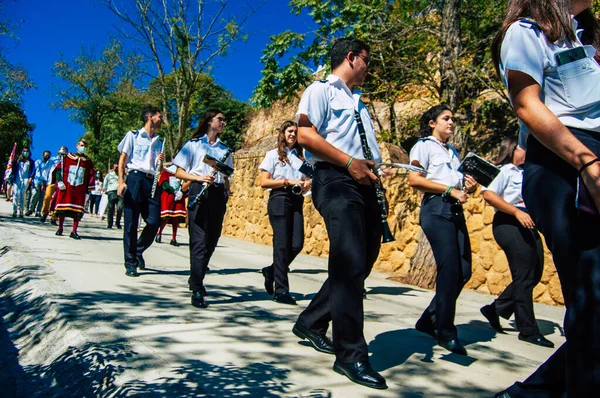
{"type": "Point", "coordinates": [306, 185]}
{"type": "Point", "coordinates": [459, 195]}
{"type": "Point", "coordinates": [161, 157]}
{"type": "Point", "coordinates": [206, 178]}
{"type": "Point", "coordinates": [524, 219]}
{"type": "Point", "coordinates": [360, 170]}
{"type": "Point", "coordinates": [386, 171]}
{"type": "Point", "coordinates": [470, 183]}
{"type": "Point", "coordinates": [121, 189]}
{"type": "Point", "coordinates": [178, 195]}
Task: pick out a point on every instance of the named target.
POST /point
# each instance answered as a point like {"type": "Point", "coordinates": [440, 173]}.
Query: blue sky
{"type": "Point", "coordinates": [47, 28]}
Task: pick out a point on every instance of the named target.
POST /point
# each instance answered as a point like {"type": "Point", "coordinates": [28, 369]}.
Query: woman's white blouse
{"type": "Point", "coordinates": [441, 163]}
{"type": "Point", "coordinates": [507, 184]}
{"type": "Point", "coordinates": [281, 170]}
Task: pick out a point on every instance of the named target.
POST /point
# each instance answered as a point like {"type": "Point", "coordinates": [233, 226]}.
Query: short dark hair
{"type": "Point", "coordinates": [341, 47]}
{"type": "Point", "coordinates": [431, 114]}
{"type": "Point", "coordinates": [148, 111]}
{"type": "Point", "coordinates": [46, 151]}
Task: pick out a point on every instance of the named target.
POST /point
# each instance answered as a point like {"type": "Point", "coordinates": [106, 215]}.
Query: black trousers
{"type": "Point", "coordinates": [443, 223]}
{"type": "Point", "coordinates": [525, 253]}
{"type": "Point", "coordinates": [138, 201]}
{"type": "Point", "coordinates": [95, 203]}
{"type": "Point", "coordinates": [549, 188]}
{"type": "Point", "coordinates": [114, 200]}
{"type": "Point", "coordinates": [205, 224]}
{"type": "Point", "coordinates": [353, 223]}
{"type": "Point", "coordinates": [287, 221]}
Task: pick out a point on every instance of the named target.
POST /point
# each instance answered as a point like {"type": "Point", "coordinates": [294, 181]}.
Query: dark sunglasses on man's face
{"type": "Point", "coordinates": [367, 60]}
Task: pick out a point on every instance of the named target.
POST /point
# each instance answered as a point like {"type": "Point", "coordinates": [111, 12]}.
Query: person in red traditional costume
{"type": "Point", "coordinates": [75, 180]}
{"type": "Point", "coordinates": [172, 202]}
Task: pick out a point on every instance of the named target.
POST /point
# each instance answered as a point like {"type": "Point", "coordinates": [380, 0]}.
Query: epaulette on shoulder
{"type": "Point", "coordinates": [194, 139]}
{"type": "Point", "coordinates": [529, 23]}
{"type": "Point", "coordinates": [323, 81]}
{"type": "Point", "coordinates": [422, 139]}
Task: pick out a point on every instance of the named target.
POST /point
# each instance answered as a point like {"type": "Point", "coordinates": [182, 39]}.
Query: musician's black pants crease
{"type": "Point", "coordinates": [353, 224]}
{"type": "Point", "coordinates": [443, 223]}
{"type": "Point", "coordinates": [287, 221]}
{"type": "Point", "coordinates": [205, 224]}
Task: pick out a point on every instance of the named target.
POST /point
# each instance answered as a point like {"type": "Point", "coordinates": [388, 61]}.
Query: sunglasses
{"type": "Point", "coordinates": [221, 119]}
{"type": "Point", "coordinates": [367, 60]}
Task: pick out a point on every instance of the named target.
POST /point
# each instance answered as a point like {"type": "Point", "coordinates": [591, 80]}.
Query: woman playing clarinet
{"type": "Point", "coordinates": [444, 191]}
{"type": "Point", "coordinates": [206, 218]}
{"type": "Point", "coordinates": [279, 174]}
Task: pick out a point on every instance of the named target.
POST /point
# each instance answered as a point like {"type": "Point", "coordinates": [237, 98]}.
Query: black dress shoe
{"type": "Point", "coordinates": [75, 236]}
{"type": "Point", "coordinates": [489, 312]}
{"type": "Point", "coordinates": [131, 271]}
{"type": "Point", "coordinates": [320, 342]}
{"type": "Point", "coordinates": [119, 226]}
{"type": "Point", "coordinates": [141, 262]}
{"type": "Point", "coordinates": [453, 346]}
{"type": "Point", "coordinates": [424, 325]}
{"type": "Point", "coordinates": [157, 238]}
{"type": "Point", "coordinates": [43, 219]}
{"type": "Point", "coordinates": [174, 243]}
{"type": "Point", "coordinates": [59, 232]}
{"type": "Point", "coordinates": [284, 298]}
{"type": "Point", "coordinates": [537, 339]}
{"type": "Point", "coordinates": [109, 227]}
{"type": "Point", "coordinates": [53, 222]}
{"type": "Point", "coordinates": [361, 373]}
{"type": "Point", "coordinates": [269, 279]}
{"type": "Point", "coordinates": [198, 300]}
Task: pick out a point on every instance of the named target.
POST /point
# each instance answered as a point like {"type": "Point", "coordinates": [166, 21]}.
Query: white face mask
{"type": "Point", "coordinates": [81, 149]}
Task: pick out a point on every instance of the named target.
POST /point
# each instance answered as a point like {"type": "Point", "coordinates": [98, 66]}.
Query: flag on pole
{"type": "Point", "coordinates": [11, 159]}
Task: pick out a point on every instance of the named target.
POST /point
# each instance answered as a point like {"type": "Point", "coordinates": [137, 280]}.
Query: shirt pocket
{"type": "Point", "coordinates": [140, 152]}
{"type": "Point", "coordinates": [342, 109]}
{"type": "Point", "coordinates": [580, 80]}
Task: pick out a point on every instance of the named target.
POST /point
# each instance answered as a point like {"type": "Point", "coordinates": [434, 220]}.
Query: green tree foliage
{"type": "Point", "coordinates": [14, 128]}
{"type": "Point", "coordinates": [96, 88]}
{"type": "Point", "coordinates": [181, 39]}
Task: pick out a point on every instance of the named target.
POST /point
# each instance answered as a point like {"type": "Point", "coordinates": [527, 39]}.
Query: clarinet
{"type": "Point", "coordinates": [379, 191]}
{"type": "Point", "coordinates": [156, 177]}
{"type": "Point", "coordinates": [204, 188]}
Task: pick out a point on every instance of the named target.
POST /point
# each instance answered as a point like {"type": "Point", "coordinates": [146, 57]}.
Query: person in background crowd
{"type": "Point", "coordinates": [77, 178]}
{"type": "Point", "coordinates": [515, 232]}
{"type": "Point", "coordinates": [444, 191]}
{"type": "Point", "coordinates": [280, 174]}
{"type": "Point", "coordinates": [547, 54]}
{"type": "Point", "coordinates": [172, 203]}
{"type": "Point", "coordinates": [38, 189]}
{"type": "Point", "coordinates": [111, 184]}
{"type": "Point", "coordinates": [96, 195]}
{"type": "Point", "coordinates": [50, 182]}
{"type": "Point", "coordinates": [23, 170]}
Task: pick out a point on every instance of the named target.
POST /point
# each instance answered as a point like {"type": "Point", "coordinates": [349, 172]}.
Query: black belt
{"type": "Point", "coordinates": [143, 173]}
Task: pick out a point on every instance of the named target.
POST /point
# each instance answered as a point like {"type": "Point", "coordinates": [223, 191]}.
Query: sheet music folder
{"type": "Point", "coordinates": [479, 168]}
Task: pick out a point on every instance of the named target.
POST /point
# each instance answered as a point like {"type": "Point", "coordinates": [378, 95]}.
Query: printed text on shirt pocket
{"type": "Point", "coordinates": [578, 79]}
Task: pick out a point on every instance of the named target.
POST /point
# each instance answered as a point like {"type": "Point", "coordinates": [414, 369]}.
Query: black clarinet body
{"type": "Point", "coordinates": [386, 233]}
{"type": "Point", "coordinates": [204, 189]}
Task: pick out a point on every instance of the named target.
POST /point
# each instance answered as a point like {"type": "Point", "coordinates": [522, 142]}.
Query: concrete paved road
{"type": "Point", "coordinates": [79, 322]}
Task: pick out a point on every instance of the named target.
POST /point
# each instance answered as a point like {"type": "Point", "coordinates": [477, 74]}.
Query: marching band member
{"type": "Point", "coordinates": [205, 219]}
{"type": "Point", "coordinates": [344, 194]}
{"type": "Point", "coordinates": [172, 203]}
{"type": "Point", "coordinates": [141, 151]}
{"type": "Point", "coordinates": [280, 174]}
{"type": "Point", "coordinates": [75, 181]}
{"type": "Point", "coordinates": [515, 232]}
{"type": "Point", "coordinates": [443, 222]}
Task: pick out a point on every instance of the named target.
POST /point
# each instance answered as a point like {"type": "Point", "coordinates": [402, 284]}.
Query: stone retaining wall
{"type": "Point", "coordinates": [247, 219]}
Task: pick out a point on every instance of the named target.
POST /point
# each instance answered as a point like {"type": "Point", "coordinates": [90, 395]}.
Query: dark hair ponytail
{"type": "Point", "coordinates": [431, 114]}
{"type": "Point", "coordinates": [203, 125]}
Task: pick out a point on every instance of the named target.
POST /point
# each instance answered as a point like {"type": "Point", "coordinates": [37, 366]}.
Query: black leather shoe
{"type": "Point", "coordinates": [361, 373]}
{"type": "Point", "coordinates": [320, 342]}
{"type": "Point", "coordinates": [203, 292]}
{"type": "Point", "coordinates": [489, 312]}
{"type": "Point", "coordinates": [174, 243]}
{"type": "Point", "coordinates": [424, 325]}
{"type": "Point", "coordinates": [198, 300]}
{"type": "Point", "coordinates": [131, 271]}
{"type": "Point", "coordinates": [53, 222]}
{"type": "Point", "coordinates": [141, 262]}
{"type": "Point", "coordinates": [119, 226]}
{"type": "Point", "coordinates": [158, 238]}
{"type": "Point", "coordinates": [59, 232]}
{"type": "Point", "coordinates": [453, 346]}
{"type": "Point", "coordinates": [43, 219]}
{"type": "Point", "coordinates": [75, 236]}
{"type": "Point", "coordinates": [269, 280]}
{"type": "Point", "coordinates": [537, 339]}
{"type": "Point", "coordinates": [284, 298]}
{"type": "Point", "coordinates": [109, 227]}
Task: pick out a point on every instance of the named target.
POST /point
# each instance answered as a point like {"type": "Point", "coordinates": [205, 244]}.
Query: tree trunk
{"type": "Point", "coordinates": [422, 266]}
{"type": "Point", "coordinates": [450, 44]}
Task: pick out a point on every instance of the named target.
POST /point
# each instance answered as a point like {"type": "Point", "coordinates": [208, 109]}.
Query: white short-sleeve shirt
{"type": "Point", "coordinates": [507, 185]}
{"type": "Point", "coordinates": [142, 151]}
{"type": "Point", "coordinates": [571, 91]}
{"type": "Point", "coordinates": [330, 105]}
{"type": "Point", "coordinates": [441, 162]}
{"type": "Point", "coordinates": [191, 155]}
{"type": "Point", "coordinates": [282, 170]}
